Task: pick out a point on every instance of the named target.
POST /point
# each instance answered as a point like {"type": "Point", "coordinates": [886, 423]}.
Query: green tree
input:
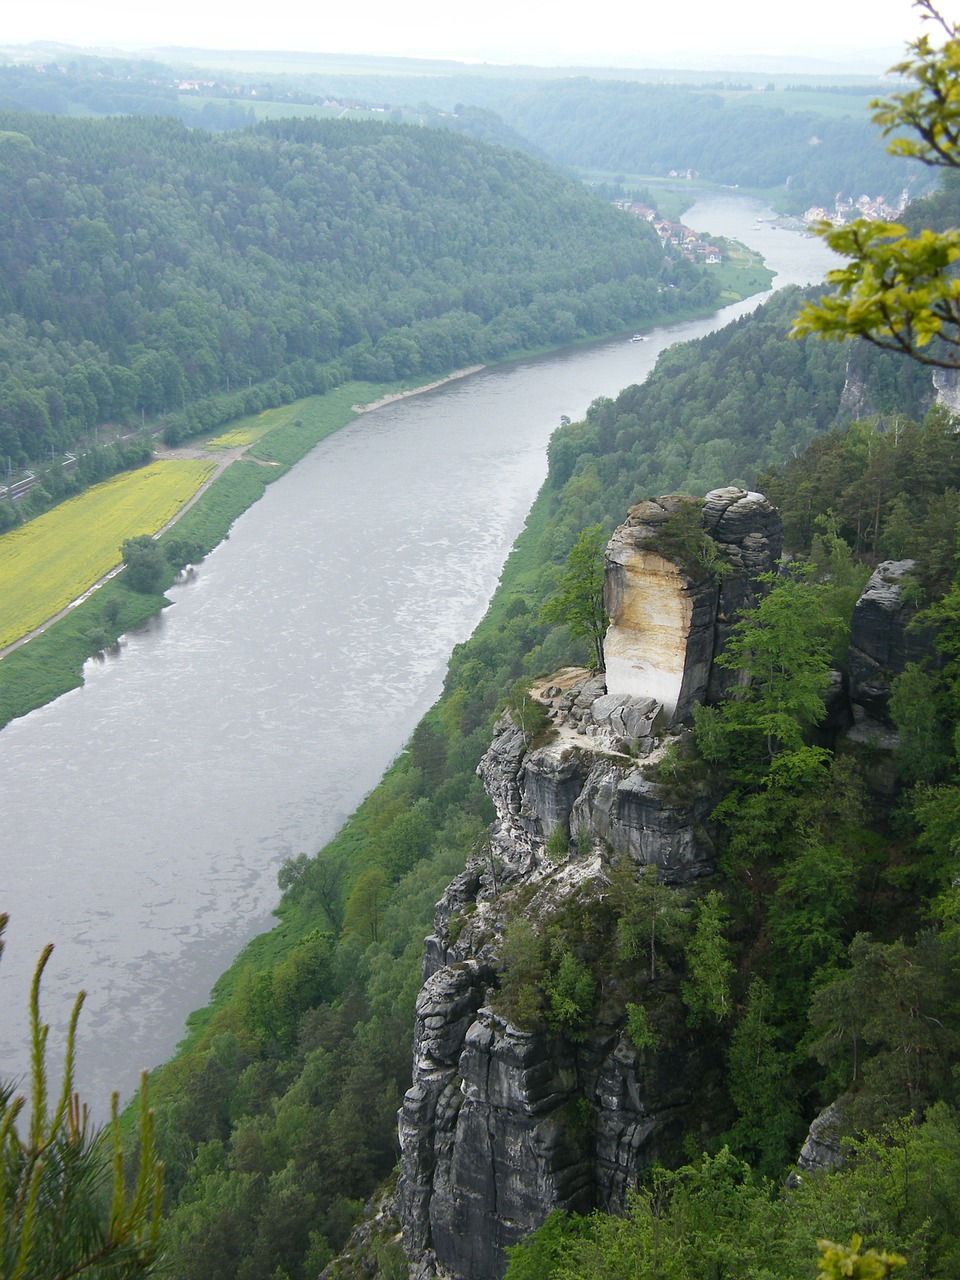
{"type": "Point", "coordinates": [577, 602]}
{"type": "Point", "coordinates": [318, 879]}
{"type": "Point", "coordinates": [640, 1030]}
{"type": "Point", "coordinates": [885, 1021]}
{"type": "Point", "coordinates": [706, 991]}
{"type": "Point", "coordinates": [761, 1088]}
{"type": "Point", "coordinates": [783, 649]}
{"type": "Point", "coordinates": [570, 993]}
{"type": "Point", "coordinates": [649, 912]}
{"type": "Point", "coordinates": [146, 563]}
{"type": "Point", "coordinates": [64, 1206]}
{"type": "Point", "coordinates": [899, 291]}
{"type": "Point", "coordinates": [923, 751]}
{"type": "Point", "coordinates": [363, 913]}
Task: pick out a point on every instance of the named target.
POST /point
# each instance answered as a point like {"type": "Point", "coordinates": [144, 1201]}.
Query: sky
{"type": "Point", "coordinates": [867, 33]}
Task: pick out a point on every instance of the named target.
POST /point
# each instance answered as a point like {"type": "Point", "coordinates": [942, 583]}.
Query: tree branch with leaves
{"type": "Point", "coordinates": [900, 291]}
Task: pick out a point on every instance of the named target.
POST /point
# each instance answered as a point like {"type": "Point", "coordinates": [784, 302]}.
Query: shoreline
{"type": "Point", "coordinates": [416, 391]}
{"type": "Point", "coordinates": [48, 628]}
{"type": "Point", "coordinates": [232, 457]}
{"type": "Point", "coordinates": [224, 461]}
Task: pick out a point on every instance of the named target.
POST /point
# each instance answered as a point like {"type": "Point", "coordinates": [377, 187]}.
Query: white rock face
{"type": "Point", "coordinates": [669, 613]}
{"type": "Point", "coordinates": [645, 649]}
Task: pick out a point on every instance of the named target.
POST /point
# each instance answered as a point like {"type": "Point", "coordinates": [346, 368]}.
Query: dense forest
{"type": "Point", "coordinates": [653, 129]}
{"type": "Point", "coordinates": [824, 958]}
{"type": "Point", "coordinates": [146, 268]}
{"type": "Point", "coordinates": [585, 122]}
{"type": "Point", "coordinates": [278, 1120]}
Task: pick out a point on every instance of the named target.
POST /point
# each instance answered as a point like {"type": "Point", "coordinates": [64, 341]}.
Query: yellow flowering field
{"type": "Point", "coordinates": [238, 437]}
{"type": "Point", "coordinates": [249, 430]}
{"type": "Point", "coordinates": [52, 560]}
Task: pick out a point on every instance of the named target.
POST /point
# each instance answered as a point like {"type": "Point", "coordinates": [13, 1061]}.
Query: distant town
{"type": "Point", "coordinates": [873, 208]}
{"type": "Point", "coordinates": [688, 243]}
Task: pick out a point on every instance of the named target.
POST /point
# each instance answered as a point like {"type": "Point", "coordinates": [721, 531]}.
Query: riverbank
{"type": "Point", "coordinates": [394, 396]}
{"type": "Point", "coordinates": [336, 1057]}
{"type": "Point", "coordinates": [49, 661]}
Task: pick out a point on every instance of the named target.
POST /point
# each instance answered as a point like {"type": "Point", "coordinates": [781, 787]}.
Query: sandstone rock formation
{"type": "Point", "coordinates": [822, 1150]}
{"type": "Point", "coordinates": [503, 1123]}
{"type": "Point", "coordinates": [881, 639]}
{"type": "Point", "coordinates": [669, 614]}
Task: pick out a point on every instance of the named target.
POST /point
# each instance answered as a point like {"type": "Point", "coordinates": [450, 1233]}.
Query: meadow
{"type": "Point", "coordinates": [52, 560]}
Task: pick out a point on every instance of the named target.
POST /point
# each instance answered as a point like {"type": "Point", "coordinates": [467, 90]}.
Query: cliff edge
{"type": "Point", "coordinates": [528, 1092]}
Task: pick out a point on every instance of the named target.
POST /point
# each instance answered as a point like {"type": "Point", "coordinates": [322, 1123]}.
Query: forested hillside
{"type": "Point", "coordinates": [653, 129]}
{"type": "Point", "coordinates": [279, 1118]}
{"type": "Point", "coordinates": [148, 269]}
{"type": "Point", "coordinates": [823, 960]}
{"type": "Point", "coordinates": [815, 963]}
{"type": "Point", "coordinates": [806, 148]}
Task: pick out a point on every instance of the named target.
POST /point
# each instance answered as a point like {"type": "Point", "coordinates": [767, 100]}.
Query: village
{"type": "Point", "coordinates": [873, 208]}
{"type": "Point", "coordinates": [674, 235]}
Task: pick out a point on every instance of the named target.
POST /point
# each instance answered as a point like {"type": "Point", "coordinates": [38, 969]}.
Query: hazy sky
{"type": "Point", "coordinates": [563, 32]}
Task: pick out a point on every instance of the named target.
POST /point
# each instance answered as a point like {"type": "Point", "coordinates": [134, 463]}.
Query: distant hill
{"type": "Point", "coordinates": [804, 138]}
{"type": "Point", "coordinates": [145, 267]}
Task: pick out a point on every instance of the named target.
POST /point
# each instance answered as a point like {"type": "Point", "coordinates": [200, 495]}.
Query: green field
{"type": "Point", "coordinates": [52, 560]}
{"type": "Point", "coordinates": [52, 663]}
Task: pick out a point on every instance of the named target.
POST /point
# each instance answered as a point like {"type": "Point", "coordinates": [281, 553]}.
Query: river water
{"type": "Point", "coordinates": [144, 816]}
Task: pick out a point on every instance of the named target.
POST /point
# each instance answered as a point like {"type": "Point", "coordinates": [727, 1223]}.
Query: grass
{"type": "Point", "coordinates": [742, 271]}
{"type": "Point", "coordinates": [50, 561]}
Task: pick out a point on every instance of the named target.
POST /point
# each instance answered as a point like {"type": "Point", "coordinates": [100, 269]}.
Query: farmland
{"type": "Point", "coordinates": [248, 431]}
{"type": "Point", "coordinates": [46, 564]}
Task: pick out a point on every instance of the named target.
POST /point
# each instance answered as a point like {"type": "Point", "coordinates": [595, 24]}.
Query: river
{"type": "Point", "coordinates": [146, 814]}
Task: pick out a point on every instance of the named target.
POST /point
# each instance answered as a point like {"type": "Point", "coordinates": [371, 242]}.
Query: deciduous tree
{"type": "Point", "coordinates": [900, 291]}
{"type": "Point", "coordinates": [577, 602]}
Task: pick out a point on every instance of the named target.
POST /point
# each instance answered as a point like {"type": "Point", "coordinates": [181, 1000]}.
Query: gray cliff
{"type": "Point", "coordinates": [884, 638]}
{"type": "Point", "coordinates": [502, 1124]}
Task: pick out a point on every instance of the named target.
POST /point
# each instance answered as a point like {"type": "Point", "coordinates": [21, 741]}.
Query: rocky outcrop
{"type": "Point", "coordinates": [671, 597]}
{"type": "Point", "coordinates": [502, 1123]}
{"type": "Point", "coordinates": [947, 385]}
{"type": "Point", "coordinates": [855, 400]}
{"type": "Point", "coordinates": [822, 1150]}
{"type": "Point", "coordinates": [635, 814]}
{"type": "Point", "coordinates": [882, 641]}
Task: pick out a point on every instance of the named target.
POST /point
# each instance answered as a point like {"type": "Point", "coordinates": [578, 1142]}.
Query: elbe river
{"type": "Point", "coordinates": [144, 816]}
